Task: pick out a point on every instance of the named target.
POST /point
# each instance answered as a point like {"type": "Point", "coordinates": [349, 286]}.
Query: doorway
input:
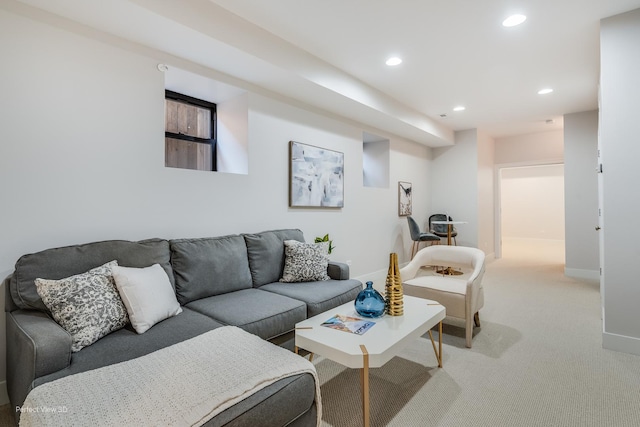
{"type": "Point", "coordinates": [530, 215]}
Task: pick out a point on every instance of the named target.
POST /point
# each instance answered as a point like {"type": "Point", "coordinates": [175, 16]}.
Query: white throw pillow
{"type": "Point", "coordinates": [148, 295]}
{"type": "Point", "coordinates": [86, 305]}
{"type": "Point", "coordinates": [305, 262]}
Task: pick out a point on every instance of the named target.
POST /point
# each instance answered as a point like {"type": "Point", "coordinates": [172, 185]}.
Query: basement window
{"type": "Point", "coordinates": [190, 132]}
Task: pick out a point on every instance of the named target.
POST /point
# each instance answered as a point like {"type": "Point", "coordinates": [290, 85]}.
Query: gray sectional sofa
{"type": "Point", "coordinates": [228, 280]}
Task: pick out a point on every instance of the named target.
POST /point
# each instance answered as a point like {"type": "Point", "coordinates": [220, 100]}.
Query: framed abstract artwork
{"type": "Point", "coordinates": [404, 198]}
{"type": "Point", "coordinates": [316, 177]}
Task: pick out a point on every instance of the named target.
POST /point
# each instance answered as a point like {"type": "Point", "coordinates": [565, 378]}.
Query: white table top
{"type": "Point", "coordinates": [448, 222]}
{"type": "Point", "coordinates": [383, 340]}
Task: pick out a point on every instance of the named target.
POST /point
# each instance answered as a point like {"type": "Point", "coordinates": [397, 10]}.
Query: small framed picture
{"type": "Point", "coordinates": [404, 198]}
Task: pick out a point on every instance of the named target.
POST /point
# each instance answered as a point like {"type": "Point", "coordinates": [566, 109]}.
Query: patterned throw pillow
{"type": "Point", "coordinates": [305, 262]}
{"type": "Point", "coordinates": [86, 305]}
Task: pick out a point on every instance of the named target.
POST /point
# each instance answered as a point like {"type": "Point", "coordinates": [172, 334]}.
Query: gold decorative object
{"type": "Point", "coordinates": [393, 288]}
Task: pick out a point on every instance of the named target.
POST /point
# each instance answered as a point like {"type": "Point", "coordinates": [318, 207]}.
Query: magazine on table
{"type": "Point", "coordinates": [353, 325]}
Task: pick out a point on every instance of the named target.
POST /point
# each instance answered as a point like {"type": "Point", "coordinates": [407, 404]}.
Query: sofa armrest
{"type": "Point", "coordinates": [338, 270]}
{"type": "Point", "coordinates": [36, 346]}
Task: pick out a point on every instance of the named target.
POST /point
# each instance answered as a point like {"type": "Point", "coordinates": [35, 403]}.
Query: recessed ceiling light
{"type": "Point", "coordinates": [514, 20]}
{"type": "Point", "coordinates": [459, 108]}
{"type": "Point", "coordinates": [393, 61]}
{"type": "Point", "coordinates": [545, 91]}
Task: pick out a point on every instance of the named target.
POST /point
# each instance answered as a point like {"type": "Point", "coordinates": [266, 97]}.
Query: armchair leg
{"type": "Point", "coordinates": [476, 319]}
{"type": "Point", "coordinates": [468, 331]}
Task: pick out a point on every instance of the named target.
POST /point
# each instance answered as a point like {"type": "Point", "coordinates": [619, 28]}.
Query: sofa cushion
{"type": "Point", "coordinates": [209, 266]}
{"type": "Point", "coordinates": [126, 343]}
{"type": "Point", "coordinates": [147, 294]}
{"type": "Point", "coordinates": [318, 296]}
{"type": "Point", "coordinates": [291, 398]}
{"type": "Point", "coordinates": [86, 305]}
{"type": "Point", "coordinates": [68, 261]}
{"type": "Point", "coordinates": [266, 254]}
{"type": "Point", "coordinates": [305, 262]}
{"type": "Point", "coordinates": [262, 313]}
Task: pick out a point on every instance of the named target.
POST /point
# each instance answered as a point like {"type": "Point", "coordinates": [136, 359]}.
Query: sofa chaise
{"type": "Point", "coordinates": [218, 281]}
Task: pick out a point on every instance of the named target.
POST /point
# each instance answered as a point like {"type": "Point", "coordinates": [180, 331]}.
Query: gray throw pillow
{"type": "Point", "coordinates": [86, 305]}
{"type": "Point", "coordinates": [305, 262]}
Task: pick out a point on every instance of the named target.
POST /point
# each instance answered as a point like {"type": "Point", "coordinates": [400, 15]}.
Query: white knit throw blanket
{"type": "Point", "coordinates": [185, 384]}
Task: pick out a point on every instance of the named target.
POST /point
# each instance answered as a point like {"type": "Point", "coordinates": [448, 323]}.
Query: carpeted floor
{"type": "Point", "coordinates": [537, 360]}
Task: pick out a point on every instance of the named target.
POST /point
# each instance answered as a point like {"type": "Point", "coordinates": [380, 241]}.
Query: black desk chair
{"type": "Point", "coordinates": [440, 230]}
{"type": "Point", "coordinates": [418, 236]}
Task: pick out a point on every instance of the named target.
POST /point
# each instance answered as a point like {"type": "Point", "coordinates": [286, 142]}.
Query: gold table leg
{"type": "Point", "coordinates": [296, 349]}
{"type": "Point", "coordinates": [437, 351]}
{"type": "Point", "coordinates": [449, 234]}
{"type": "Point", "coordinates": [364, 380]}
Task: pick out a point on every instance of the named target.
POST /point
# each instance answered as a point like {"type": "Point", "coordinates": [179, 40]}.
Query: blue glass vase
{"type": "Point", "coordinates": [369, 302]}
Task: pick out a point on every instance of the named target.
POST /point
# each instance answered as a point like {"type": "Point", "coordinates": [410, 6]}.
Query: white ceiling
{"type": "Point", "coordinates": [456, 52]}
{"type": "Point", "coordinates": [330, 54]}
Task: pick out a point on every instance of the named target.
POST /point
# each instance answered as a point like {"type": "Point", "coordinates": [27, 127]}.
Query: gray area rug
{"type": "Point", "coordinates": [537, 360]}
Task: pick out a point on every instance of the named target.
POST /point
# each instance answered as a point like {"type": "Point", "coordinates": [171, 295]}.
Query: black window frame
{"type": "Point", "coordinates": [186, 99]}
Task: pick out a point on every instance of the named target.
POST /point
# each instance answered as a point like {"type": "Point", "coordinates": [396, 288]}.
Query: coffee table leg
{"type": "Point", "coordinates": [437, 351]}
{"type": "Point", "coordinates": [296, 350]}
{"type": "Point", "coordinates": [364, 380]}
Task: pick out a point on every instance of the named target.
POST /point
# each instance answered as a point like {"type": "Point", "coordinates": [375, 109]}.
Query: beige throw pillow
{"type": "Point", "coordinates": [148, 295]}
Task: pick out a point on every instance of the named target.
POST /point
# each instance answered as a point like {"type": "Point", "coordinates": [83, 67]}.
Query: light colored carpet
{"type": "Point", "coordinates": [537, 360]}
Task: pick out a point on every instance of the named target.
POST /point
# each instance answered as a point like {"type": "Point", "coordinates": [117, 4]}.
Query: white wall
{"type": "Point", "coordinates": [486, 194]}
{"type": "Point", "coordinates": [523, 150]}
{"type": "Point", "coordinates": [454, 184]}
{"type": "Point", "coordinates": [82, 159]}
{"type": "Point", "coordinates": [232, 148]}
{"type": "Point", "coordinates": [619, 133]}
{"type": "Point", "coordinates": [581, 195]}
{"type": "Point", "coordinates": [375, 164]}
{"type": "Point", "coordinates": [533, 202]}
{"type": "Point", "coordinates": [528, 149]}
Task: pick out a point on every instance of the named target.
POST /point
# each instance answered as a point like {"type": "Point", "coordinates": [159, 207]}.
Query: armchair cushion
{"type": "Point", "coordinates": [448, 291]}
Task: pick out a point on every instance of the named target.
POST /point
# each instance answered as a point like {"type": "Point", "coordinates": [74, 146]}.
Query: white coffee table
{"type": "Point", "coordinates": [375, 347]}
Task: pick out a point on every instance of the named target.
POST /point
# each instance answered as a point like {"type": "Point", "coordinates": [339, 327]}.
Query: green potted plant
{"type": "Point", "coordinates": [325, 238]}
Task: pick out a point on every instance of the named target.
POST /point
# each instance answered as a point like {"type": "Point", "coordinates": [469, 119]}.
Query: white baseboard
{"type": "Point", "coordinates": [578, 273]}
{"type": "Point", "coordinates": [4, 396]}
{"type": "Point", "coordinates": [621, 343]}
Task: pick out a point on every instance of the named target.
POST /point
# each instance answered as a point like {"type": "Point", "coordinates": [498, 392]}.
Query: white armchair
{"type": "Point", "coordinates": [462, 296]}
